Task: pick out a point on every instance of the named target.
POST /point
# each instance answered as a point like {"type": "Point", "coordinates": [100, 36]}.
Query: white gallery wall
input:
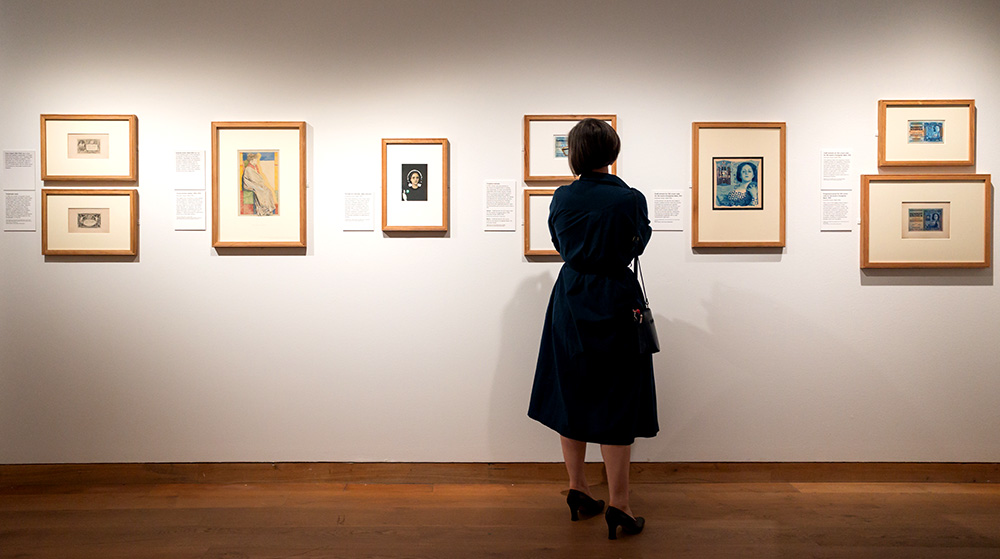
{"type": "Point", "coordinates": [368, 347]}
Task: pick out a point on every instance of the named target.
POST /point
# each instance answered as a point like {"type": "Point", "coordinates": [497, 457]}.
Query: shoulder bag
{"type": "Point", "coordinates": [643, 317]}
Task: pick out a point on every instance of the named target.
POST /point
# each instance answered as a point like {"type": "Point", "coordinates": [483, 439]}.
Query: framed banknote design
{"type": "Point", "coordinates": [738, 184]}
{"type": "Point", "coordinates": [926, 221]}
{"type": "Point", "coordinates": [258, 184]}
{"type": "Point", "coordinates": [89, 147]}
{"type": "Point", "coordinates": [90, 222]}
{"type": "Point", "coordinates": [546, 150]}
{"type": "Point", "coordinates": [537, 239]}
{"type": "Point", "coordinates": [927, 133]}
{"type": "Point", "coordinates": [415, 184]}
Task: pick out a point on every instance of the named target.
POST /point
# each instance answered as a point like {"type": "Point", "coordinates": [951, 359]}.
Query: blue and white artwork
{"type": "Point", "coordinates": [738, 183]}
{"type": "Point", "coordinates": [561, 146]}
{"type": "Point", "coordinates": [926, 132]}
{"type": "Point", "coordinates": [926, 219]}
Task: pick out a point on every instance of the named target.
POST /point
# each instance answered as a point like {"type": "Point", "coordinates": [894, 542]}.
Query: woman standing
{"type": "Point", "coordinates": [591, 383]}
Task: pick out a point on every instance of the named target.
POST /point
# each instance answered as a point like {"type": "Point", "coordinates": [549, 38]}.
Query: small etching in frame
{"type": "Point", "coordinates": [89, 147]}
{"type": "Point", "coordinates": [84, 222]}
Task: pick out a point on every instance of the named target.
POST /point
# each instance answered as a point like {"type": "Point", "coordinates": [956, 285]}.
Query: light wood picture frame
{"type": "Point", "coordinates": [90, 222]}
{"type": "Point", "coordinates": [537, 239]}
{"type": "Point", "coordinates": [90, 147]}
{"type": "Point", "coordinates": [926, 221]}
{"type": "Point", "coordinates": [922, 133]}
{"type": "Point", "coordinates": [415, 184]}
{"type": "Point", "coordinates": [259, 184]}
{"type": "Point", "coordinates": [546, 158]}
{"type": "Point", "coordinates": [738, 184]}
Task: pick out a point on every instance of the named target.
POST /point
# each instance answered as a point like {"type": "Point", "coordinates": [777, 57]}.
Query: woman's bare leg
{"type": "Point", "coordinates": [617, 461]}
{"type": "Point", "coordinates": [574, 454]}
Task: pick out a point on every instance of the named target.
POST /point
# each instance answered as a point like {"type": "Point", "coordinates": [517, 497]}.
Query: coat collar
{"type": "Point", "coordinates": [605, 178]}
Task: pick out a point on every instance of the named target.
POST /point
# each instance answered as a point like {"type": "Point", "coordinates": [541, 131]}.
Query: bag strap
{"type": "Point", "coordinates": [636, 240]}
{"type": "Point", "coordinates": [642, 284]}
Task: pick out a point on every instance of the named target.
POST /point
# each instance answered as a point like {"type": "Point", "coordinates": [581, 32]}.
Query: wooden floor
{"type": "Point", "coordinates": [483, 520]}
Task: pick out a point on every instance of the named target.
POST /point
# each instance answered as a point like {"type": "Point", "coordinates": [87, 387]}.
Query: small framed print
{"type": "Point", "coordinates": [546, 152]}
{"type": "Point", "coordinates": [90, 222]}
{"type": "Point", "coordinates": [537, 239]}
{"type": "Point", "coordinates": [926, 221]}
{"type": "Point", "coordinates": [415, 184]}
{"type": "Point", "coordinates": [738, 184]}
{"type": "Point", "coordinates": [89, 147]}
{"type": "Point", "coordinates": [258, 184]}
{"type": "Point", "coordinates": [927, 133]}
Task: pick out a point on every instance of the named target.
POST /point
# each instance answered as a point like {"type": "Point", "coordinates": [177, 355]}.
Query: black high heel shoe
{"type": "Point", "coordinates": [581, 503]}
{"type": "Point", "coordinates": [616, 517]}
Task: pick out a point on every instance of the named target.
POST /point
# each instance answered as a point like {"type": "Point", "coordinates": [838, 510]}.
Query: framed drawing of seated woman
{"type": "Point", "coordinates": [258, 184]}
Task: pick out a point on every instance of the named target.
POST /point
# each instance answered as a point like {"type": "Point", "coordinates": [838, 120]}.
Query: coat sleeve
{"type": "Point", "coordinates": [552, 224]}
{"type": "Point", "coordinates": [642, 222]}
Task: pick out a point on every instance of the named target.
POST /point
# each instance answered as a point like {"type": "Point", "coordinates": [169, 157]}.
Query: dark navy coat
{"type": "Point", "coordinates": [591, 383]}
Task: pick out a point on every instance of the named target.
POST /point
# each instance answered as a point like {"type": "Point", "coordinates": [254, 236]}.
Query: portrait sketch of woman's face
{"type": "Point", "coordinates": [414, 184]}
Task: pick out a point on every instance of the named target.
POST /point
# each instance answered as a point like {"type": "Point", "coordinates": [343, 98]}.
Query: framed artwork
{"type": "Point", "coordinates": [90, 147]}
{"type": "Point", "coordinates": [90, 222]}
{"type": "Point", "coordinates": [738, 184]}
{"type": "Point", "coordinates": [546, 156]}
{"type": "Point", "coordinates": [259, 184]}
{"type": "Point", "coordinates": [926, 221]}
{"type": "Point", "coordinates": [926, 133]}
{"type": "Point", "coordinates": [415, 184]}
{"type": "Point", "coordinates": [537, 240]}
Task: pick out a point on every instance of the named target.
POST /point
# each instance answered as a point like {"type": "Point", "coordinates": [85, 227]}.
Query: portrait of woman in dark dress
{"type": "Point", "coordinates": [591, 382]}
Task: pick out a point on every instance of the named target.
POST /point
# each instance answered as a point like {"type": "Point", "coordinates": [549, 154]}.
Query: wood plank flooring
{"type": "Point", "coordinates": [494, 520]}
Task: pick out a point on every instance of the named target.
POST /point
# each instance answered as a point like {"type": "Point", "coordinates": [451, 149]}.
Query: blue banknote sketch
{"type": "Point", "coordinates": [926, 132]}
{"type": "Point", "coordinates": [738, 183]}
{"type": "Point", "coordinates": [926, 219]}
{"type": "Point", "coordinates": [561, 146]}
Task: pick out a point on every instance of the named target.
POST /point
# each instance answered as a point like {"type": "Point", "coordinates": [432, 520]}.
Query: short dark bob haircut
{"type": "Point", "coordinates": [592, 144]}
{"type": "Point", "coordinates": [739, 171]}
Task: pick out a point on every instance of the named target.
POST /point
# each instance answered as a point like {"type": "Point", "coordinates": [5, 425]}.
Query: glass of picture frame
{"type": "Point", "coordinates": [546, 154]}
{"type": "Point", "coordinates": [537, 239]}
{"type": "Point", "coordinates": [81, 221]}
{"type": "Point", "coordinates": [927, 133]}
{"type": "Point", "coordinates": [738, 184]}
{"type": "Point", "coordinates": [89, 147]}
{"type": "Point", "coordinates": [415, 184]}
{"type": "Point", "coordinates": [926, 221]}
{"type": "Point", "coordinates": [258, 184]}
